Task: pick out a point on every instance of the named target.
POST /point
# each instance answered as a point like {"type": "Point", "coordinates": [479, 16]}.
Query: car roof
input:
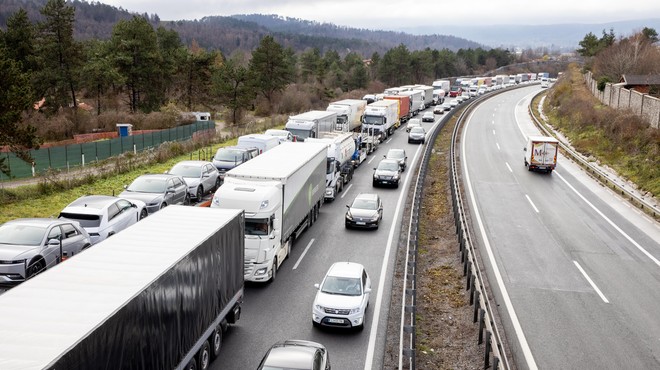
{"type": "Point", "coordinates": [396, 150]}
{"type": "Point", "coordinates": [346, 269]}
{"type": "Point", "coordinates": [368, 196]}
{"type": "Point", "coordinates": [37, 221]}
{"type": "Point", "coordinates": [388, 160]}
{"type": "Point", "coordinates": [292, 354]}
{"type": "Point", "coordinates": [159, 175]}
{"type": "Point", "coordinates": [93, 201]}
{"type": "Point", "coordinates": [193, 162]}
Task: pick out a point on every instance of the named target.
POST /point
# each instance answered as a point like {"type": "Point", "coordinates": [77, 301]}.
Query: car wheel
{"type": "Point", "coordinates": [186, 200]}
{"type": "Point", "coordinates": [200, 193]}
{"type": "Point", "coordinates": [143, 214]}
{"type": "Point", "coordinates": [217, 184]}
{"type": "Point", "coordinates": [346, 225]}
{"type": "Point", "coordinates": [373, 183]}
{"type": "Point", "coordinates": [204, 356]}
{"type": "Point", "coordinates": [163, 205]}
{"type": "Point", "coordinates": [216, 341]}
{"type": "Point", "coordinates": [35, 269]}
{"type": "Point", "coordinates": [315, 324]}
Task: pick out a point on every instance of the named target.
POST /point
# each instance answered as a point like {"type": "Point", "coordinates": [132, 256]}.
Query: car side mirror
{"type": "Point", "coordinates": [53, 243]}
{"type": "Point", "coordinates": [125, 186]}
{"type": "Point", "coordinates": [524, 149]}
{"type": "Point", "coordinates": [169, 191]}
{"type": "Point", "coordinates": [367, 290]}
{"type": "Point", "coordinates": [317, 286]}
{"type": "Point", "coordinates": [347, 206]}
{"type": "Point", "coordinates": [133, 205]}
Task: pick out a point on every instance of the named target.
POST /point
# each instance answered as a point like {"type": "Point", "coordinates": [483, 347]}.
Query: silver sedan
{"type": "Point", "coordinates": [201, 177]}
{"type": "Point", "coordinates": [157, 191]}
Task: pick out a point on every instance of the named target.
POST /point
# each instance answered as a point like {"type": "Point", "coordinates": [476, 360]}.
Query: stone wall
{"type": "Point", "coordinates": [617, 97]}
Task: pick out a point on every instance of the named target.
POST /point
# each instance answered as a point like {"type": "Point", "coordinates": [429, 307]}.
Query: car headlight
{"type": "Point", "coordinates": [319, 307]}
{"type": "Point", "coordinates": [354, 311]}
{"type": "Point", "coordinates": [13, 262]}
{"type": "Point", "coordinates": [375, 177]}
{"type": "Point", "coordinates": [216, 201]}
{"type": "Point", "coordinates": [395, 177]}
{"type": "Point", "coordinates": [349, 216]}
{"type": "Point", "coordinates": [374, 218]}
{"type": "Point", "coordinates": [261, 271]}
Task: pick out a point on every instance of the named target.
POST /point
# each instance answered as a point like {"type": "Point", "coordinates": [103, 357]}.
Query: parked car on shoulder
{"type": "Point", "coordinates": [103, 215]}
{"type": "Point", "coordinates": [201, 177]}
{"type": "Point", "coordinates": [157, 191]}
{"type": "Point", "coordinates": [29, 246]}
{"type": "Point", "coordinates": [342, 297]}
{"type": "Point", "coordinates": [281, 135]}
{"type": "Point", "coordinates": [365, 211]}
{"type": "Point", "coordinates": [296, 354]}
{"type": "Point", "coordinates": [388, 171]}
{"type": "Point", "coordinates": [417, 135]}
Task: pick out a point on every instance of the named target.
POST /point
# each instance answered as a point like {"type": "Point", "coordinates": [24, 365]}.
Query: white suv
{"type": "Point", "coordinates": [343, 297]}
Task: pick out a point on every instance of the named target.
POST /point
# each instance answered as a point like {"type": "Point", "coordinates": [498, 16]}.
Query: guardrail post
{"type": "Point", "coordinates": [487, 351]}
{"type": "Point", "coordinates": [481, 326]}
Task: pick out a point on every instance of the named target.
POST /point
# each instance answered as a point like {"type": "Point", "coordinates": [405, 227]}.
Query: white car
{"type": "Point", "coordinates": [454, 103]}
{"type": "Point", "coordinates": [281, 135]}
{"type": "Point", "coordinates": [482, 90]}
{"type": "Point", "coordinates": [103, 216]}
{"type": "Point", "coordinates": [342, 297]}
{"type": "Point", "coordinates": [201, 177]}
{"type": "Point", "coordinates": [413, 122]}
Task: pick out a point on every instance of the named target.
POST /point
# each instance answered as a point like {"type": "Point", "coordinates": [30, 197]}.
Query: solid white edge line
{"type": "Point", "coordinates": [593, 285]}
{"type": "Point", "coordinates": [532, 203]}
{"type": "Point", "coordinates": [405, 283]}
{"type": "Point", "coordinates": [303, 254]}
{"type": "Point", "coordinates": [346, 191]}
{"type": "Point", "coordinates": [526, 351]}
{"type": "Point", "coordinates": [617, 228]}
{"type": "Point", "coordinates": [509, 167]}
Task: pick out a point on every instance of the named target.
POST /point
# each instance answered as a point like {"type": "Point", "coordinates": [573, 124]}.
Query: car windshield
{"type": "Point", "coordinates": [388, 166]}
{"type": "Point", "coordinates": [396, 154]}
{"type": "Point", "coordinates": [342, 286]}
{"type": "Point", "coordinates": [257, 226]}
{"type": "Point", "coordinates": [417, 130]}
{"type": "Point", "coordinates": [83, 219]}
{"type": "Point", "coordinates": [21, 234]}
{"type": "Point", "coordinates": [365, 204]}
{"type": "Point", "coordinates": [373, 120]}
{"type": "Point", "coordinates": [148, 185]}
{"type": "Point", "coordinates": [186, 170]}
{"type": "Point", "coordinates": [228, 155]}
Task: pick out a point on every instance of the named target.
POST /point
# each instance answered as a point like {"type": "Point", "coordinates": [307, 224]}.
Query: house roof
{"type": "Point", "coordinates": [640, 79]}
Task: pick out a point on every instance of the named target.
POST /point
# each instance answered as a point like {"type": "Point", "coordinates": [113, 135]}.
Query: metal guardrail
{"type": "Point", "coordinates": [598, 174]}
{"type": "Point", "coordinates": [483, 312]}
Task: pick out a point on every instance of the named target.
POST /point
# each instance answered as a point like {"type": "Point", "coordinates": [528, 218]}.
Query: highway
{"type": "Point", "coordinates": [575, 271]}
{"type": "Point", "coordinates": [282, 309]}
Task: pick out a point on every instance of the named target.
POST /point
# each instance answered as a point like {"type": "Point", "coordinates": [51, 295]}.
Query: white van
{"type": "Point", "coordinates": [262, 142]}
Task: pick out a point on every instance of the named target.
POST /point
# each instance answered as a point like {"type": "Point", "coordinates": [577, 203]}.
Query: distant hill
{"type": "Point", "coordinates": [563, 36]}
{"type": "Point", "coordinates": [390, 39]}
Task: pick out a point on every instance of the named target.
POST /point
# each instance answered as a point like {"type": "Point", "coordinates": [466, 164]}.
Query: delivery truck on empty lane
{"type": "Point", "coordinates": [541, 153]}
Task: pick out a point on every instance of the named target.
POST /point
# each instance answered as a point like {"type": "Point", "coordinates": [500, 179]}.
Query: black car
{"type": "Point", "coordinates": [366, 211]}
{"type": "Point", "coordinates": [296, 354]}
{"type": "Point", "coordinates": [388, 172]}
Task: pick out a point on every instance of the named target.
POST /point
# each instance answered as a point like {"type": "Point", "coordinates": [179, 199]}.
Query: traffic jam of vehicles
{"type": "Point", "coordinates": [238, 214]}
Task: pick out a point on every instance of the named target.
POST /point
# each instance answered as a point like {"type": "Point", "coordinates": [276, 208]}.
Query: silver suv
{"type": "Point", "coordinates": [29, 246]}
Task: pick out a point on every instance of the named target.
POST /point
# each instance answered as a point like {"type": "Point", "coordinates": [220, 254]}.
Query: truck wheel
{"type": "Point", "coordinates": [192, 365]}
{"type": "Point", "coordinates": [216, 342]}
{"type": "Point", "coordinates": [204, 356]}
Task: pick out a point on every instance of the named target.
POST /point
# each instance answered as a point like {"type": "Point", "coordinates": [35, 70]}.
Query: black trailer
{"type": "Point", "coordinates": [158, 295]}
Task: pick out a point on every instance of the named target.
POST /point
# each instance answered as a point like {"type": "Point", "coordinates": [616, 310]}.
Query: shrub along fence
{"type": "Point", "coordinates": [73, 155]}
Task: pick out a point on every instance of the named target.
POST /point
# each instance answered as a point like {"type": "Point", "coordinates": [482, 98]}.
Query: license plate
{"type": "Point", "coordinates": [360, 223]}
{"type": "Point", "coordinates": [336, 321]}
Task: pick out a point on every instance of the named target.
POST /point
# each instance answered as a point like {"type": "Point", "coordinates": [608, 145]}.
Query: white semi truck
{"type": "Point", "coordinates": [349, 114]}
{"type": "Point", "coordinates": [416, 101]}
{"type": "Point", "coordinates": [339, 170]}
{"type": "Point", "coordinates": [311, 124]}
{"type": "Point", "coordinates": [427, 93]}
{"type": "Point", "coordinates": [158, 295]}
{"type": "Point", "coordinates": [380, 117]}
{"type": "Point", "coordinates": [281, 192]}
{"type": "Point", "coordinates": [541, 153]}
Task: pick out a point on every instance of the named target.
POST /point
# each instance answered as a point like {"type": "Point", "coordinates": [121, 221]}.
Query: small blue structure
{"type": "Point", "coordinates": [125, 129]}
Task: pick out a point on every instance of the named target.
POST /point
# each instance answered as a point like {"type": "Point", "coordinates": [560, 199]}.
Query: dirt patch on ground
{"type": "Point", "coordinates": [446, 334]}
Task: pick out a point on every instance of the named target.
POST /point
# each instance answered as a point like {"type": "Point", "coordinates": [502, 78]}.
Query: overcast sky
{"type": "Point", "coordinates": [393, 14]}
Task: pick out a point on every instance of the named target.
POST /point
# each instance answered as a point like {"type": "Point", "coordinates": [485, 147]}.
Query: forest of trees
{"type": "Point", "coordinates": [142, 68]}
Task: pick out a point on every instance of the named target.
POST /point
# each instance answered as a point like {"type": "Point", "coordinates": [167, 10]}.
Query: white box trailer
{"type": "Point", "coordinates": [311, 124]}
{"type": "Point", "coordinates": [349, 114]}
{"type": "Point", "coordinates": [416, 101]}
{"type": "Point", "coordinates": [541, 153]}
{"type": "Point", "coordinates": [155, 296]}
{"type": "Point", "coordinates": [281, 192]}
